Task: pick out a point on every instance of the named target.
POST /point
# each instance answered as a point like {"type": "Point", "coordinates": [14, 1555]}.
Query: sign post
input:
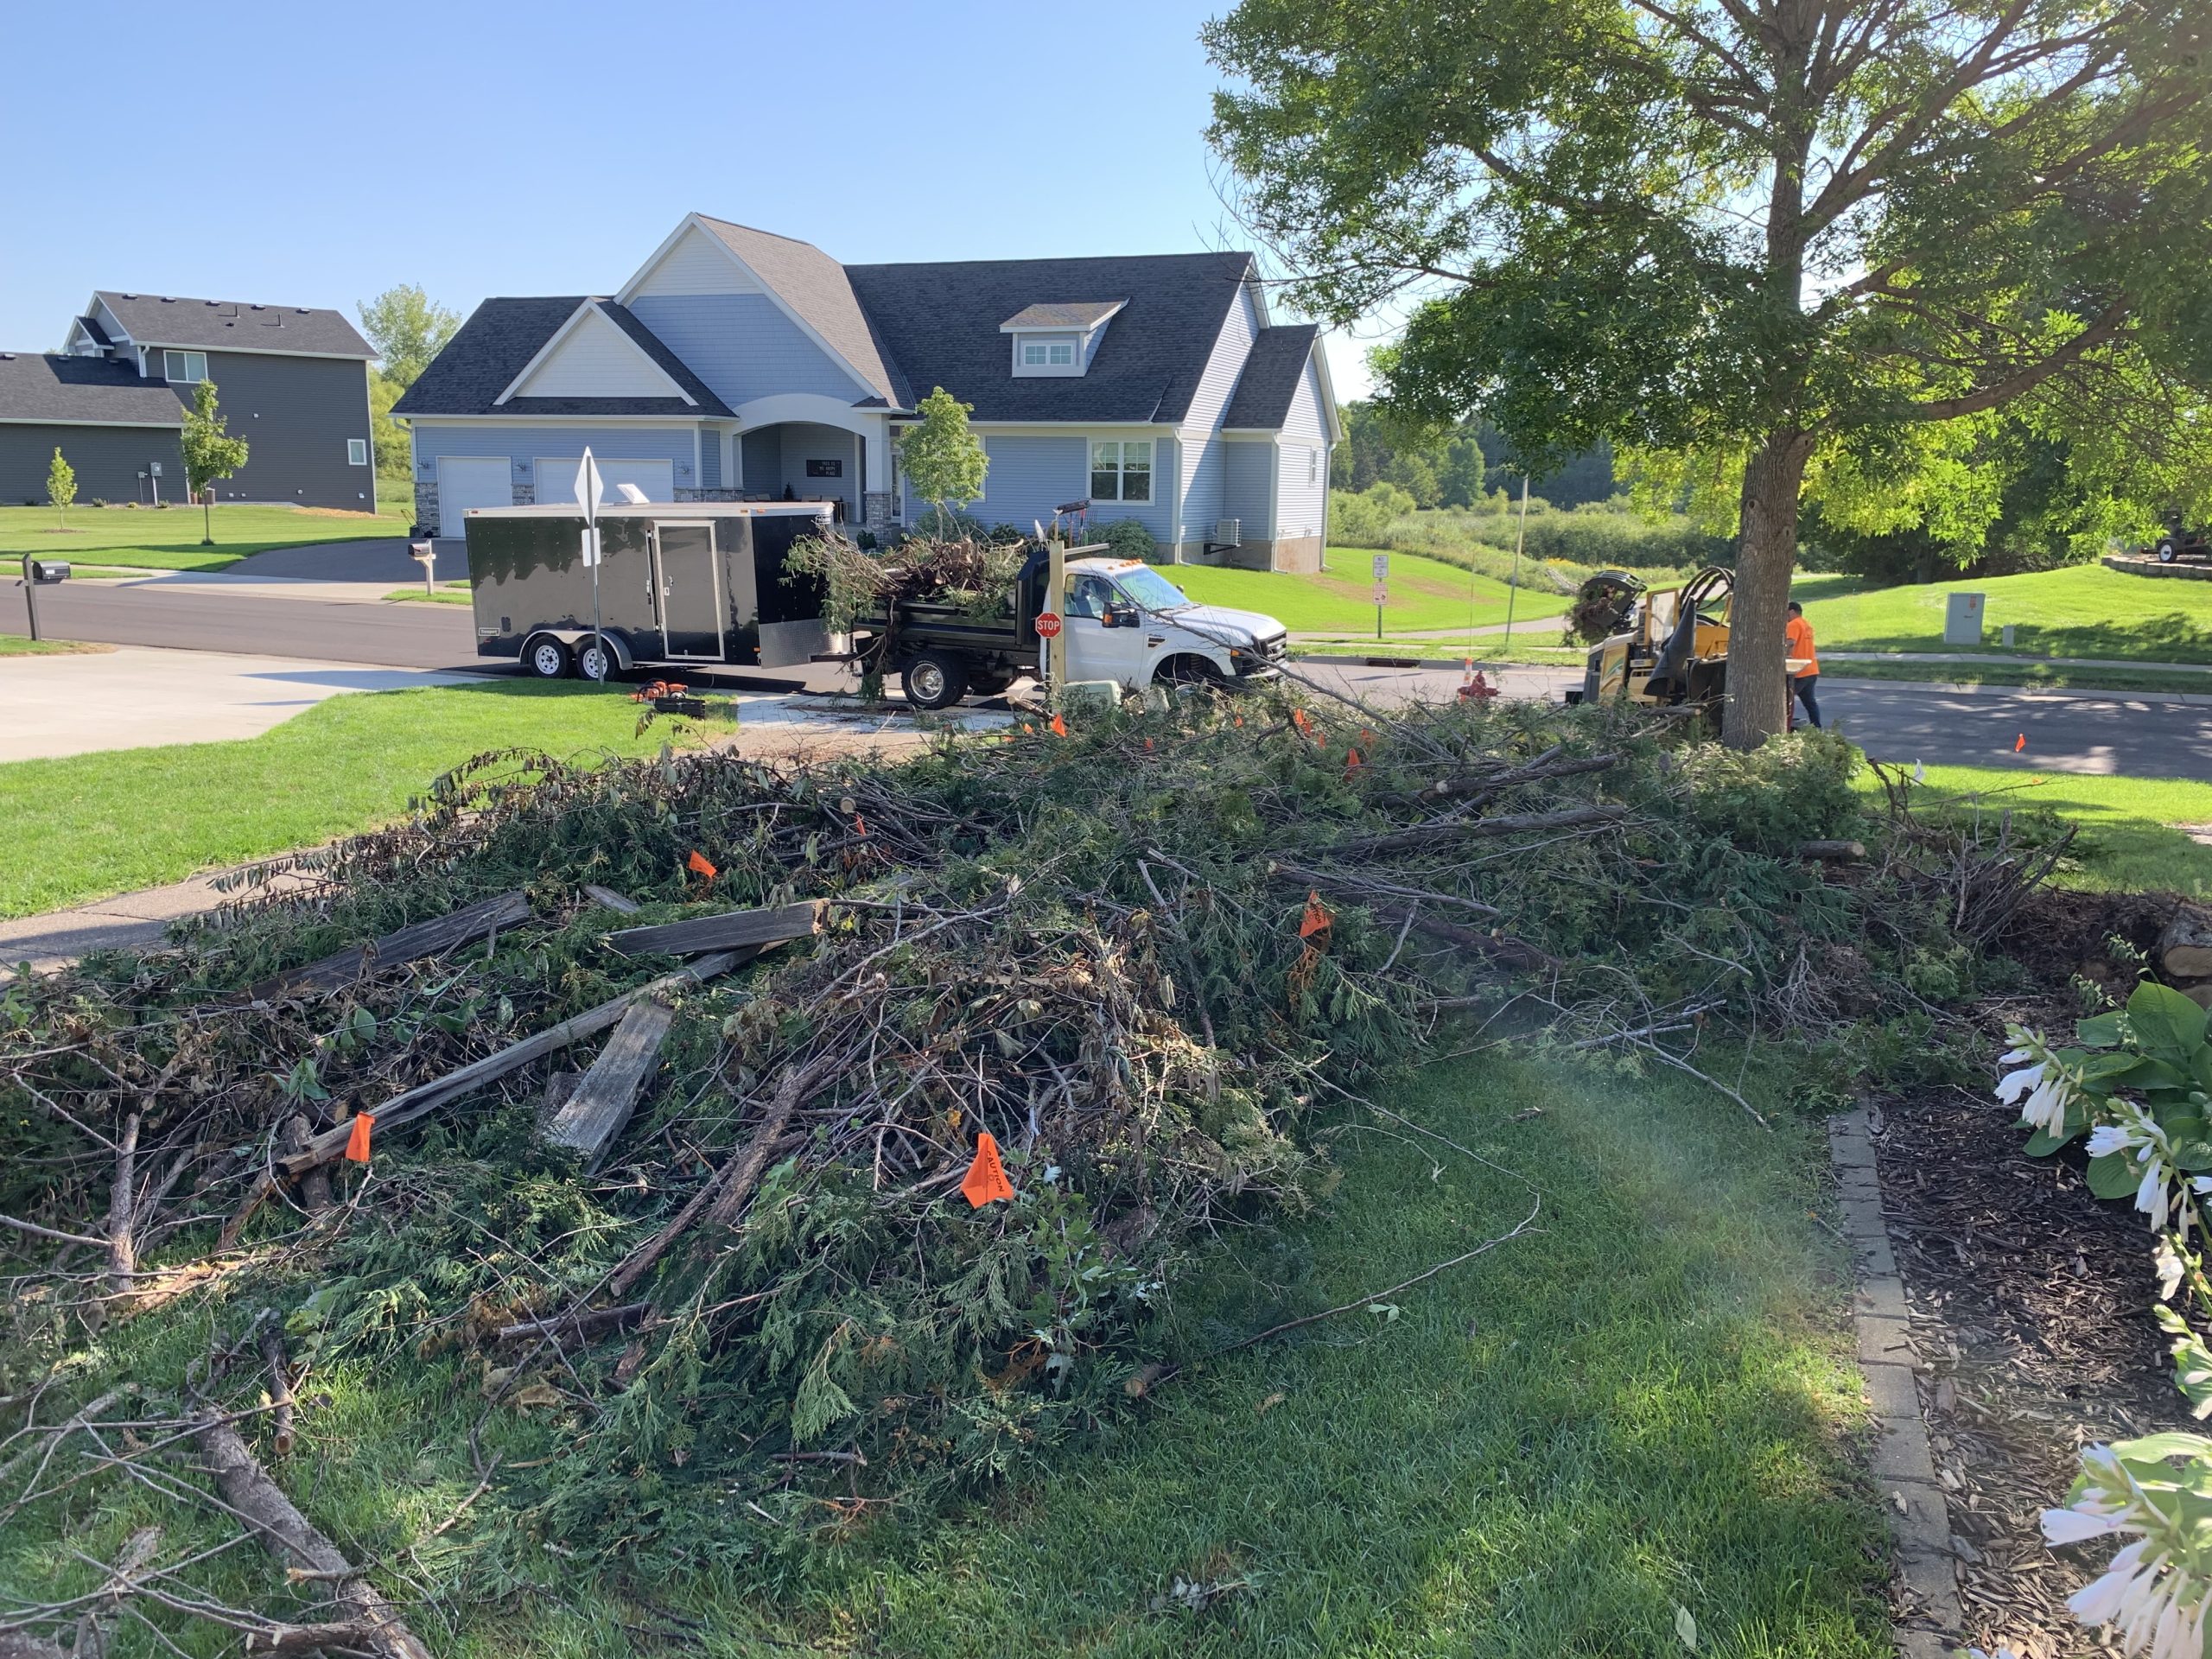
{"type": "Point", "coordinates": [588, 498]}
{"type": "Point", "coordinates": [1513, 582]}
{"type": "Point", "coordinates": [1381, 590]}
{"type": "Point", "coordinates": [1056, 644]}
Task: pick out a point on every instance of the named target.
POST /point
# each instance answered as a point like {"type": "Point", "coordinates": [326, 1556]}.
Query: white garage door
{"type": "Point", "coordinates": [466, 481]}
{"type": "Point", "coordinates": [556, 479]}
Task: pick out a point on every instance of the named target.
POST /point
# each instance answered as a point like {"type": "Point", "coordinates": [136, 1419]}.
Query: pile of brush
{"type": "Point", "coordinates": [874, 1203]}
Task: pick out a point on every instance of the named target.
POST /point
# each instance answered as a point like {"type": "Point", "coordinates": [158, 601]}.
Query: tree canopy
{"type": "Point", "coordinates": [943, 462]}
{"type": "Point", "coordinates": [1774, 242]}
{"type": "Point", "coordinates": [210, 452]}
{"type": "Point", "coordinates": [407, 328]}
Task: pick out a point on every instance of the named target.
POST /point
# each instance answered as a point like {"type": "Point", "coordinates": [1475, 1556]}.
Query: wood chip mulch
{"type": "Point", "coordinates": [2030, 1303]}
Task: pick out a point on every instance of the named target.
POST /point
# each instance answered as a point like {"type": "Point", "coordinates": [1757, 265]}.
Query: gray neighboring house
{"type": "Point", "coordinates": [293, 381]}
{"type": "Point", "coordinates": [738, 365]}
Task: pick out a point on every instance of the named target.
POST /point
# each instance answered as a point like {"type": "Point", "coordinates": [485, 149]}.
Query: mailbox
{"type": "Point", "coordinates": [46, 572]}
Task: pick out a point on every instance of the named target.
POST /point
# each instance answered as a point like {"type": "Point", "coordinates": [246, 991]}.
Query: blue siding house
{"type": "Point", "coordinates": [737, 364]}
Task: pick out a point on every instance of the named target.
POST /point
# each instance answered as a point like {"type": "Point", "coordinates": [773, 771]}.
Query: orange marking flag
{"type": "Point", "coordinates": [1059, 727]}
{"type": "Point", "coordinates": [357, 1143]}
{"type": "Point", "coordinates": [700, 864]}
{"type": "Point", "coordinates": [986, 1179]}
{"type": "Point", "coordinates": [860, 826]}
{"type": "Point", "coordinates": [1352, 762]}
{"type": "Point", "coordinates": [1316, 918]}
{"type": "Point", "coordinates": [2019, 742]}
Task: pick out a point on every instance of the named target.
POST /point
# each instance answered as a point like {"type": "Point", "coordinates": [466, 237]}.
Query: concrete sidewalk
{"type": "Point", "coordinates": [138, 696]}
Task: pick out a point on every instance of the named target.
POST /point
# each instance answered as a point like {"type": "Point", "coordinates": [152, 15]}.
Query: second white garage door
{"type": "Point", "coordinates": [466, 481]}
{"type": "Point", "coordinates": [556, 479]}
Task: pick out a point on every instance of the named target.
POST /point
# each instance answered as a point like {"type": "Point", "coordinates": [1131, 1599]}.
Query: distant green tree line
{"type": "Point", "coordinates": [1460, 468]}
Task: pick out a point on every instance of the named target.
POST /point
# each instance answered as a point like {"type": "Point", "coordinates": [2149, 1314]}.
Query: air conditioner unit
{"type": "Point", "coordinates": [1228, 532]}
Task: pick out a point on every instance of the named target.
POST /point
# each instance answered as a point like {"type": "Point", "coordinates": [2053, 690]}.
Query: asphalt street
{"type": "Point", "coordinates": [2132, 734]}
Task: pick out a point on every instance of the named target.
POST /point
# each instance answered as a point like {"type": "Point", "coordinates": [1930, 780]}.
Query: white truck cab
{"type": "Point", "coordinates": [1126, 622]}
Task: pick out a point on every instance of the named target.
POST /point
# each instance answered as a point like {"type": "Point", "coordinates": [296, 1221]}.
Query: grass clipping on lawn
{"type": "Point", "coordinates": [1146, 957]}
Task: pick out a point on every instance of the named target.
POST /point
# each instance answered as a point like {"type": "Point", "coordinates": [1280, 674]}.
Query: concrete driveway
{"type": "Point", "coordinates": [135, 698]}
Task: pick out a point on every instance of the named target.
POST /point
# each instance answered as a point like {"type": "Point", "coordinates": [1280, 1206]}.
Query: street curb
{"type": "Point", "coordinates": [1903, 1470]}
{"type": "Point", "coordinates": [1379, 661]}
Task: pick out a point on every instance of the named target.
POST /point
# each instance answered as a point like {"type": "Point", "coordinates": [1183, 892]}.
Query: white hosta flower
{"type": "Point", "coordinates": [2170, 1269]}
{"type": "Point", "coordinates": [2152, 1604]}
{"type": "Point", "coordinates": [2039, 1085]}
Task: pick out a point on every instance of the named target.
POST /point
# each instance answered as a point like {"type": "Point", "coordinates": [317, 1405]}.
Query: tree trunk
{"type": "Point", "coordinates": [1759, 688]}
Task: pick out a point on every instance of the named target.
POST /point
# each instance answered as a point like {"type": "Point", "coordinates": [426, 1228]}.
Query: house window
{"type": "Point", "coordinates": [1120, 470]}
{"type": "Point", "coordinates": [356, 451]}
{"type": "Point", "coordinates": [184, 368]}
{"type": "Point", "coordinates": [1312, 466]}
{"type": "Point", "coordinates": [1047, 353]}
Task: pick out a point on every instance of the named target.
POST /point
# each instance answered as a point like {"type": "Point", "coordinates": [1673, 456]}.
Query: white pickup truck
{"type": "Point", "coordinates": [1124, 622]}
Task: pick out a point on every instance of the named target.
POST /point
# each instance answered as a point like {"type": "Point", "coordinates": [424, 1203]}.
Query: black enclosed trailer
{"type": "Point", "coordinates": [679, 582]}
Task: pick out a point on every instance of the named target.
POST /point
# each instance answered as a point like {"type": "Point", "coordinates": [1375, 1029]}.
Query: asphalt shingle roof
{"type": "Point", "coordinates": [215, 325]}
{"type": "Point", "coordinates": [42, 386]}
{"type": "Point", "coordinates": [1261, 399]}
{"type": "Point", "coordinates": [502, 335]}
{"type": "Point", "coordinates": [1080, 314]}
{"type": "Point", "coordinates": [942, 323]}
{"type": "Point", "coordinates": [92, 327]}
{"type": "Point", "coordinates": [819, 290]}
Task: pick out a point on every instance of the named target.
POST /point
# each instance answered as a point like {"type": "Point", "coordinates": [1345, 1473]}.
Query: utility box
{"type": "Point", "coordinates": [1963, 617]}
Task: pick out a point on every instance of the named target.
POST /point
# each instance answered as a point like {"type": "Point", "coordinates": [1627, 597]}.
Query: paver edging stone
{"type": "Point", "coordinates": [1903, 1467]}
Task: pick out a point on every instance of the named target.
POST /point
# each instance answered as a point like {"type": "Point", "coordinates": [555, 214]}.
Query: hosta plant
{"type": "Point", "coordinates": [2137, 1082]}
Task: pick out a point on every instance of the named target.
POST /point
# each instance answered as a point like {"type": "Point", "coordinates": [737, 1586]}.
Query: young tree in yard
{"type": "Point", "coordinates": [1784, 236]}
{"type": "Point", "coordinates": [61, 485]}
{"type": "Point", "coordinates": [943, 462]}
{"type": "Point", "coordinates": [210, 453]}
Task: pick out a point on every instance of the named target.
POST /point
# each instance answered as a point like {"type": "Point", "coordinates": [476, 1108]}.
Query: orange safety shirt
{"type": "Point", "coordinates": [1800, 636]}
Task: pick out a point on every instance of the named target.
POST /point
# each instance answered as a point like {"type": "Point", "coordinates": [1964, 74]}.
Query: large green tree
{"type": "Point", "coordinates": [1781, 236]}
{"type": "Point", "coordinates": [407, 328]}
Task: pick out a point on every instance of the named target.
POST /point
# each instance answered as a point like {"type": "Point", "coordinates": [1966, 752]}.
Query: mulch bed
{"type": "Point", "coordinates": [2030, 1299]}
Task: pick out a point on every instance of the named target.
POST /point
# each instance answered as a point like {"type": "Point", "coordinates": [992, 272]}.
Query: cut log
{"type": "Point", "coordinates": [2199, 992]}
{"type": "Point", "coordinates": [583, 1324]}
{"type": "Point", "coordinates": [730, 931]}
{"type": "Point", "coordinates": [290, 1536]}
{"type": "Point", "coordinates": [1838, 851]}
{"type": "Point", "coordinates": [2186, 948]}
{"type": "Point", "coordinates": [1480, 787]}
{"type": "Point", "coordinates": [403, 1109]}
{"type": "Point", "coordinates": [416, 940]}
{"type": "Point", "coordinates": [599, 1109]}
{"type": "Point", "coordinates": [1502, 824]}
{"type": "Point", "coordinates": [608, 899]}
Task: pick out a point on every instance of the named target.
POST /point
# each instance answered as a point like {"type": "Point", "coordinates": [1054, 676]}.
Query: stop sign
{"type": "Point", "coordinates": [1048, 625]}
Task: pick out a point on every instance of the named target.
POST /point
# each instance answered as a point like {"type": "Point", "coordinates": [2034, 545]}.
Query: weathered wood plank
{"type": "Point", "coordinates": [421, 1101]}
{"type": "Point", "coordinates": [728, 931]}
{"type": "Point", "coordinates": [599, 1109]}
{"type": "Point", "coordinates": [608, 899]}
{"type": "Point", "coordinates": [417, 939]}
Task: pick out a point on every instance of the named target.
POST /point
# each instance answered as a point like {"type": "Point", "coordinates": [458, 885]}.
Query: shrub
{"type": "Point", "coordinates": [1790, 789]}
{"type": "Point", "coordinates": [1127, 537]}
{"type": "Point", "coordinates": [1365, 519]}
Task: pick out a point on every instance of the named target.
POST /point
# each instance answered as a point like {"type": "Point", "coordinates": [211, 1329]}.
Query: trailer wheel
{"type": "Point", "coordinates": [544, 656]}
{"type": "Point", "coordinates": [934, 679]}
{"type": "Point", "coordinates": [596, 659]}
{"type": "Point", "coordinates": [2169, 550]}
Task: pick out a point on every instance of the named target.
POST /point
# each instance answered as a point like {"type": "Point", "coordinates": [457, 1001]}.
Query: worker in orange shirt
{"type": "Point", "coordinates": [1799, 634]}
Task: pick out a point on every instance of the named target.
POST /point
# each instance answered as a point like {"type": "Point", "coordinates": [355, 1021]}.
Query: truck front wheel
{"type": "Point", "coordinates": [1189, 671]}
{"type": "Point", "coordinates": [935, 679]}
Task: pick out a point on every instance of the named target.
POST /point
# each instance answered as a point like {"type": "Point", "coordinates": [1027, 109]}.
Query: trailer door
{"type": "Point", "coordinates": [689, 591]}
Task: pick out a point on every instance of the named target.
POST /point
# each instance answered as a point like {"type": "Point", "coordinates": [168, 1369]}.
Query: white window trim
{"type": "Point", "coordinates": [1121, 447]}
{"type": "Point", "coordinates": [1077, 348]}
{"type": "Point", "coordinates": [356, 451]}
{"type": "Point", "coordinates": [188, 378]}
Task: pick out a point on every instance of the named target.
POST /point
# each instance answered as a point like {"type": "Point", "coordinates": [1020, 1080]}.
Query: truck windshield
{"type": "Point", "coordinates": [1151, 589]}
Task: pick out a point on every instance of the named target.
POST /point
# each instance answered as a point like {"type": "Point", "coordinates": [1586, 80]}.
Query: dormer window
{"type": "Point", "coordinates": [1058, 339]}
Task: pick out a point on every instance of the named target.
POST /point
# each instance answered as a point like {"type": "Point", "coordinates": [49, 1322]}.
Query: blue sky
{"type": "Point", "coordinates": [313, 154]}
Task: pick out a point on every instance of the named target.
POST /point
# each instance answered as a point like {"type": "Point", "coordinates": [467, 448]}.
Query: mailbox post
{"type": "Point", "coordinates": [37, 574]}
{"type": "Point", "coordinates": [425, 553]}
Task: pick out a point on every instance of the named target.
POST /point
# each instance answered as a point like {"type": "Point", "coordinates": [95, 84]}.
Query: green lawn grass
{"type": "Point", "coordinates": [16, 644]}
{"type": "Point", "coordinates": [2129, 835]}
{"type": "Point", "coordinates": [446, 592]}
{"type": "Point", "coordinates": [2081, 611]}
{"type": "Point", "coordinates": [1642, 1405]}
{"type": "Point", "coordinates": [1424, 594]}
{"type": "Point", "coordinates": [92, 825]}
{"type": "Point", "coordinates": [1970, 672]}
{"type": "Point", "coordinates": [168, 538]}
